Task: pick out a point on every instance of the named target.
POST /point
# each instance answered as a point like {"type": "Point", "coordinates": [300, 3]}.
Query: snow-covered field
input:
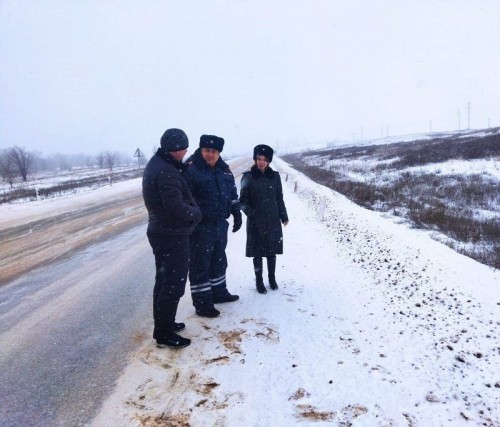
{"type": "Point", "coordinates": [48, 185]}
{"type": "Point", "coordinates": [364, 170]}
{"type": "Point", "coordinates": [374, 324]}
{"type": "Point", "coordinates": [425, 136]}
{"type": "Point", "coordinates": [49, 179]}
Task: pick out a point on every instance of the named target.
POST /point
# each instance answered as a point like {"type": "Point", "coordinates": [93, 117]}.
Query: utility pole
{"type": "Point", "coordinates": [468, 115]}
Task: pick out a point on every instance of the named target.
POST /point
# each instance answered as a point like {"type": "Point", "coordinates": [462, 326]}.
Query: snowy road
{"type": "Point", "coordinates": [80, 304]}
{"type": "Point", "coordinates": [68, 330]}
{"type": "Point", "coordinates": [53, 229]}
{"type": "Point", "coordinates": [32, 240]}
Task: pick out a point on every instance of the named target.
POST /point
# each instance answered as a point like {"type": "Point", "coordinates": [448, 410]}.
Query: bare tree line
{"type": "Point", "coordinates": [19, 162]}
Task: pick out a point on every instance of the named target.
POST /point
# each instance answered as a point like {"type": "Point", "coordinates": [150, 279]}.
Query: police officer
{"type": "Point", "coordinates": [213, 187]}
{"type": "Point", "coordinates": [173, 215]}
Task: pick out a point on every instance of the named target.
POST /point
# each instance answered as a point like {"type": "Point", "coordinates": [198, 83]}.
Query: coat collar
{"type": "Point", "coordinates": [164, 155]}
{"type": "Point", "coordinates": [200, 162]}
{"type": "Point", "coordinates": [256, 173]}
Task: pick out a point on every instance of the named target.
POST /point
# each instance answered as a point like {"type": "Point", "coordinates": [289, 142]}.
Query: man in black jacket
{"type": "Point", "coordinates": [173, 215]}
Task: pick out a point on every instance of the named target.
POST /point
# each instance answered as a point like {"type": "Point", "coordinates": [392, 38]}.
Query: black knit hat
{"type": "Point", "coordinates": [212, 141]}
{"type": "Point", "coordinates": [263, 150]}
{"type": "Point", "coordinates": [174, 140]}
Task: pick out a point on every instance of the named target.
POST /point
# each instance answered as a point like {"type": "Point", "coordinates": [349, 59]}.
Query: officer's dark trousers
{"type": "Point", "coordinates": [207, 268]}
{"type": "Point", "coordinates": [172, 264]}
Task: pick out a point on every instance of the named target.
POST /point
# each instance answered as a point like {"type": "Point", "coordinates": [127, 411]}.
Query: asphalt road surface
{"type": "Point", "coordinates": [75, 302]}
{"type": "Point", "coordinates": [66, 332]}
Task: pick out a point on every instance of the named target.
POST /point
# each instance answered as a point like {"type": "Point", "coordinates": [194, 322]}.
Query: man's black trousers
{"type": "Point", "coordinates": [172, 264]}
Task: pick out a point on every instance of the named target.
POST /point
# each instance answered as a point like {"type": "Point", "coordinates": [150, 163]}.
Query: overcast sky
{"type": "Point", "coordinates": [85, 75]}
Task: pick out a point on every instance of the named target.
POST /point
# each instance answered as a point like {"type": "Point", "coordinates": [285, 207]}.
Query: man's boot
{"type": "Point", "coordinates": [220, 293]}
{"type": "Point", "coordinates": [259, 282]}
{"type": "Point", "coordinates": [207, 311]}
{"type": "Point", "coordinates": [166, 327]}
{"type": "Point", "coordinates": [271, 268]}
{"type": "Point", "coordinates": [202, 300]}
{"type": "Point", "coordinates": [172, 340]}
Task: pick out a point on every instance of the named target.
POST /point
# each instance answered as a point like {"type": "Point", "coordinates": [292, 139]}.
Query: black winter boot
{"type": "Point", "coordinates": [172, 340]}
{"type": "Point", "coordinates": [220, 294]}
{"type": "Point", "coordinates": [259, 282]}
{"type": "Point", "coordinates": [207, 311]}
{"type": "Point", "coordinates": [179, 326]}
{"type": "Point", "coordinates": [164, 318]}
{"type": "Point", "coordinates": [271, 268]}
{"type": "Point", "coordinates": [204, 304]}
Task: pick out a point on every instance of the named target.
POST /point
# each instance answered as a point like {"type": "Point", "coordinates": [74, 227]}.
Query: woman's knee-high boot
{"type": "Point", "coordinates": [271, 268]}
{"type": "Point", "coordinates": [259, 282]}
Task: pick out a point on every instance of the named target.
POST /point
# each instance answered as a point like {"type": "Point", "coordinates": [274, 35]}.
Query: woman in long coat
{"type": "Point", "coordinates": [261, 199]}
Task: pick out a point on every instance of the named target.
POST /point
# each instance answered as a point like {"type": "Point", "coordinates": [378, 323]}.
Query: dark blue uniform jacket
{"type": "Point", "coordinates": [213, 189]}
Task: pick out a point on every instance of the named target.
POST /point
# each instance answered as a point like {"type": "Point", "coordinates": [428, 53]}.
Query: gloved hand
{"type": "Point", "coordinates": [237, 221]}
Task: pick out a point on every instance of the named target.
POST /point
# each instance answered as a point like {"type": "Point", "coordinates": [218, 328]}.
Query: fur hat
{"type": "Point", "coordinates": [174, 140]}
{"type": "Point", "coordinates": [212, 141]}
{"type": "Point", "coordinates": [263, 150]}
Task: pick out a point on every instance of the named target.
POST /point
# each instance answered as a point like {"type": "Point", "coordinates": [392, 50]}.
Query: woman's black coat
{"type": "Point", "coordinates": [261, 198]}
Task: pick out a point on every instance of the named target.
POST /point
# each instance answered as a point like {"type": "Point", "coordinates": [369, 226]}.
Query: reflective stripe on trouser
{"type": "Point", "coordinates": [219, 286]}
{"type": "Point", "coordinates": [208, 264]}
{"type": "Point", "coordinates": [172, 262]}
